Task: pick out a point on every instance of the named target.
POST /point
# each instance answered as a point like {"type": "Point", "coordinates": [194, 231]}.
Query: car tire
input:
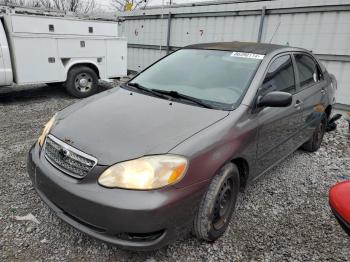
{"type": "Point", "coordinates": [316, 140]}
{"type": "Point", "coordinates": [82, 82]}
{"type": "Point", "coordinates": [217, 205]}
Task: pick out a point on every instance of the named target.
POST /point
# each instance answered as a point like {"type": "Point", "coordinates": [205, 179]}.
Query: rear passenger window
{"type": "Point", "coordinates": [307, 69]}
{"type": "Point", "coordinates": [280, 76]}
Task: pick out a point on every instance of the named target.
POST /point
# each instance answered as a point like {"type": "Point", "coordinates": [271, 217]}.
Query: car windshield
{"type": "Point", "coordinates": [216, 77]}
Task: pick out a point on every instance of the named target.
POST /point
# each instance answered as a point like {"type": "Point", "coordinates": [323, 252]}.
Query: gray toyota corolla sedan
{"type": "Point", "coordinates": [169, 151]}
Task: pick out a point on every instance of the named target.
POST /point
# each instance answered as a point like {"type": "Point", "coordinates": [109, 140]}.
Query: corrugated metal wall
{"type": "Point", "coordinates": [139, 58]}
{"type": "Point", "coordinates": [318, 25]}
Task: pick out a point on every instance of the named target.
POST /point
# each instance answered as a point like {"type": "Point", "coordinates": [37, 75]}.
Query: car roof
{"type": "Point", "coordinates": [246, 47]}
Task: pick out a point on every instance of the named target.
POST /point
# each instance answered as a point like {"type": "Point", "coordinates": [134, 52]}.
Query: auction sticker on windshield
{"type": "Point", "coordinates": [247, 55]}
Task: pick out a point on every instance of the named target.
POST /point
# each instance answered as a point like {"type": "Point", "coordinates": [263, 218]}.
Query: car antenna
{"type": "Point", "coordinates": [274, 33]}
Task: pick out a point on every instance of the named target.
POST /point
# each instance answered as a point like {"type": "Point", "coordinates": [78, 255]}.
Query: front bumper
{"type": "Point", "coordinates": [136, 220]}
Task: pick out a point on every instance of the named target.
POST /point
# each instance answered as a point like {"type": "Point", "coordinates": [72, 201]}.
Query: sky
{"type": "Point", "coordinates": [159, 2]}
{"type": "Point", "coordinates": [105, 4]}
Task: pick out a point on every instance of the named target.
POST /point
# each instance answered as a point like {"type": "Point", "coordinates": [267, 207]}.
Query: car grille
{"type": "Point", "coordinates": [68, 159]}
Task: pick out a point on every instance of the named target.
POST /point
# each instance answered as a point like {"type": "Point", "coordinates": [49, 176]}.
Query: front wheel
{"type": "Point", "coordinates": [82, 82]}
{"type": "Point", "coordinates": [218, 204]}
{"type": "Point", "coordinates": [316, 140]}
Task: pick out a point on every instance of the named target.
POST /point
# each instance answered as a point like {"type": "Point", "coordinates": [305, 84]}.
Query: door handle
{"type": "Point", "coordinates": [298, 104]}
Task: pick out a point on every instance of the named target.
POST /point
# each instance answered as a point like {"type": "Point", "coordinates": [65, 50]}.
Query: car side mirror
{"type": "Point", "coordinates": [275, 99]}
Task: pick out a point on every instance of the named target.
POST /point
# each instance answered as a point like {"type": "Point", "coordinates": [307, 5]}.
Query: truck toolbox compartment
{"type": "Point", "coordinates": [62, 26]}
{"type": "Point", "coordinates": [81, 48]}
{"type": "Point", "coordinates": [31, 60]}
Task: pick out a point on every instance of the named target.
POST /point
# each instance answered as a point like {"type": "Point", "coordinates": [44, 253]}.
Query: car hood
{"type": "Point", "coordinates": [119, 125]}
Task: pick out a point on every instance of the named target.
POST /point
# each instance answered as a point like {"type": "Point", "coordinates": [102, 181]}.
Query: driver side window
{"type": "Point", "coordinates": [280, 76]}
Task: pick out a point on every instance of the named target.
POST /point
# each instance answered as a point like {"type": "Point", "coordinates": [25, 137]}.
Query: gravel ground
{"type": "Point", "coordinates": [282, 216]}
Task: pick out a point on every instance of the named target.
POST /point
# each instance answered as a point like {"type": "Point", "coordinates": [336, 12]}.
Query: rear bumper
{"type": "Point", "coordinates": [136, 220]}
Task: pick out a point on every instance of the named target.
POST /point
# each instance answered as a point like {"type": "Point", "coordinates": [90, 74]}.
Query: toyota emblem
{"type": "Point", "coordinates": [64, 153]}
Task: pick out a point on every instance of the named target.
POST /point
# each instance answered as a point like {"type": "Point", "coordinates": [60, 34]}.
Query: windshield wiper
{"type": "Point", "coordinates": [147, 90]}
{"type": "Point", "coordinates": [167, 94]}
{"type": "Point", "coordinates": [176, 94]}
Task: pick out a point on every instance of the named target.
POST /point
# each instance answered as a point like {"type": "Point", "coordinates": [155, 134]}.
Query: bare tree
{"type": "Point", "coordinates": [13, 2]}
{"type": "Point", "coordinates": [128, 5]}
{"type": "Point", "coordinates": [75, 6]}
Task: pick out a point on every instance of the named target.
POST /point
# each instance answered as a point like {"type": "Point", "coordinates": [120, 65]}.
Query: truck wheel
{"type": "Point", "coordinates": [82, 82]}
{"type": "Point", "coordinates": [218, 204]}
{"type": "Point", "coordinates": [315, 141]}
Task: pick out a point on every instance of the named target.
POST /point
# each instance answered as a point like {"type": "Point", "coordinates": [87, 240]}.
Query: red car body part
{"type": "Point", "coordinates": [339, 199]}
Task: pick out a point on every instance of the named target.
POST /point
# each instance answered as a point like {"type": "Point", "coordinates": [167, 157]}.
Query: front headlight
{"type": "Point", "coordinates": [46, 130]}
{"type": "Point", "coordinates": [148, 172]}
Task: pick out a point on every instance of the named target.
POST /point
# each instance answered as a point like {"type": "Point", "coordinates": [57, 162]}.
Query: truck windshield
{"type": "Point", "coordinates": [216, 77]}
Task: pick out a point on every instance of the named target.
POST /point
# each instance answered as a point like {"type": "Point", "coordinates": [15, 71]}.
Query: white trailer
{"type": "Point", "coordinates": [46, 47]}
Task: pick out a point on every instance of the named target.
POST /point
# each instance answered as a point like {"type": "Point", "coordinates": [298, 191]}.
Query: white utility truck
{"type": "Point", "coordinates": [42, 47]}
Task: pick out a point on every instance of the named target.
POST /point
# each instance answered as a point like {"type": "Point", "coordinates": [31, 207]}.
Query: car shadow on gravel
{"type": "Point", "coordinates": [27, 94]}
{"type": "Point", "coordinates": [39, 92]}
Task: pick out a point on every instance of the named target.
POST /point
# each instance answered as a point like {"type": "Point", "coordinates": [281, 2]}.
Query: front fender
{"type": "Point", "coordinates": [230, 138]}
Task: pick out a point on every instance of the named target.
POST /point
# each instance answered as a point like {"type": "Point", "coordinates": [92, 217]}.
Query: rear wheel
{"type": "Point", "coordinates": [82, 82]}
{"type": "Point", "coordinates": [316, 140]}
{"type": "Point", "coordinates": [218, 204]}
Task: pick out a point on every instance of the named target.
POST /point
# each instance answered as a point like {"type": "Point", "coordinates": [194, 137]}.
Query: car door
{"type": "Point", "coordinates": [278, 125]}
{"type": "Point", "coordinates": [312, 88]}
